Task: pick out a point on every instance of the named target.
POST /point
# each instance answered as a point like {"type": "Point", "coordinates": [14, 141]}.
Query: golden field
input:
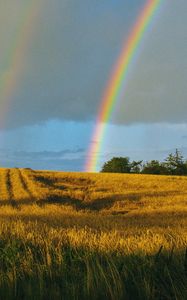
{"type": "Point", "coordinates": [92, 236]}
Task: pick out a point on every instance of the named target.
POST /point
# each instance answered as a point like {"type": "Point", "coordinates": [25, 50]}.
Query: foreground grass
{"type": "Point", "coordinates": [80, 236]}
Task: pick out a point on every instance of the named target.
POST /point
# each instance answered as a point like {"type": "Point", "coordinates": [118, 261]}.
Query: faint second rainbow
{"type": "Point", "coordinates": [118, 80]}
{"type": "Point", "coordinates": [14, 57]}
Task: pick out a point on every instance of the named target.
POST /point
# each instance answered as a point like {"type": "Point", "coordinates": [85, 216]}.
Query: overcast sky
{"type": "Point", "coordinates": [66, 64]}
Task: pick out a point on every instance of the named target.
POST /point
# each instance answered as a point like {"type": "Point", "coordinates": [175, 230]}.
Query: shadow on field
{"type": "Point", "coordinates": [85, 202]}
{"type": "Point", "coordinates": [72, 182]}
{"type": "Point", "coordinates": [46, 180]}
{"type": "Point", "coordinates": [106, 202]}
{"type": "Point", "coordinates": [65, 200]}
{"type": "Point", "coordinates": [16, 204]}
{"type": "Point", "coordinates": [94, 205]}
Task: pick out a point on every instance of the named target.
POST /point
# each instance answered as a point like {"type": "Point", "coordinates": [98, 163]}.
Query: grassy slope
{"type": "Point", "coordinates": [92, 236]}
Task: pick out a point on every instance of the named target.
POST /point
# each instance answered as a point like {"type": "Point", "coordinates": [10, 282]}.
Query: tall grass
{"type": "Point", "coordinates": [38, 262]}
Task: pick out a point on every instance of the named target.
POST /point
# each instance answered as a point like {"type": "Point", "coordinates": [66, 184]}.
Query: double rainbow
{"type": "Point", "coordinates": [118, 81]}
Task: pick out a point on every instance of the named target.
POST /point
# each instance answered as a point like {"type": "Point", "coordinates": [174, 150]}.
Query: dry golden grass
{"type": "Point", "coordinates": [130, 205]}
{"type": "Point", "coordinates": [111, 217]}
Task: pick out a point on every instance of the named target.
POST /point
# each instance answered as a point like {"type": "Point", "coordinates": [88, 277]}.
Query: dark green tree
{"type": "Point", "coordinates": [175, 164]}
{"type": "Point", "coordinates": [117, 165]}
{"type": "Point", "coordinates": [154, 167]}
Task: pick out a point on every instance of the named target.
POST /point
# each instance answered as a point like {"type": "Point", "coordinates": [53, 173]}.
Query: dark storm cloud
{"type": "Point", "coordinates": [75, 45]}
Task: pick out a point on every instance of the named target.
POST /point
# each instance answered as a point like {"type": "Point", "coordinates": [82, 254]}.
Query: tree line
{"type": "Point", "coordinates": [174, 164]}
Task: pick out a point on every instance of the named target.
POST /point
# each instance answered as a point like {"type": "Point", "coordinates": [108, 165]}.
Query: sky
{"type": "Point", "coordinates": [56, 58]}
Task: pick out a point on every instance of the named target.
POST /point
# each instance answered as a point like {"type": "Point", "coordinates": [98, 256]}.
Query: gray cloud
{"type": "Point", "coordinates": [68, 62]}
{"type": "Point", "coordinates": [45, 155]}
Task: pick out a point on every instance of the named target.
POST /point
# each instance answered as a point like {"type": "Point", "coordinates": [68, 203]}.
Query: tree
{"type": "Point", "coordinates": [154, 167]}
{"type": "Point", "coordinates": [117, 165]}
{"type": "Point", "coordinates": [136, 166]}
{"type": "Point", "coordinates": [175, 164]}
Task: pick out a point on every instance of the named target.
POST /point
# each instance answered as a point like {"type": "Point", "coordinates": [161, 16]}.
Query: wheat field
{"type": "Point", "coordinates": [92, 236]}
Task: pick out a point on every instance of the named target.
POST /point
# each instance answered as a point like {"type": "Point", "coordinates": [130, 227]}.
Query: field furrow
{"type": "Point", "coordinates": [17, 190]}
{"type": "Point", "coordinates": [5, 191]}
{"type": "Point", "coordinates": [38, 191]}
{"type": "Point", "coordinates": [25, 185]}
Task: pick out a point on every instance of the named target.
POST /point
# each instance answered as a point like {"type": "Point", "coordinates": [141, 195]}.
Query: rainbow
{"type": "Point", "coordinates": [14, 58]}
{"type": "Point", "coordinates": [118, 80]}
